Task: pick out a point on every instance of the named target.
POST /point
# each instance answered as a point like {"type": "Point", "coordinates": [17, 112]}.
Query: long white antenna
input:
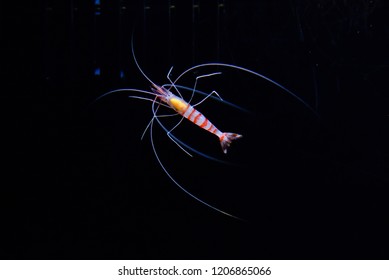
{"type": "Point", "coordinates": [136, 61]}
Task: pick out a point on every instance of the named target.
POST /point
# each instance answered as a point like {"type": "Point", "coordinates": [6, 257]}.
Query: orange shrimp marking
{"type": "Point", "coordinates": [205, 123]}
{"type": "Point", "coordinates": [197, 118]}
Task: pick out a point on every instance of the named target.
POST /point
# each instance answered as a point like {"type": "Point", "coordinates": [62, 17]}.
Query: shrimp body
{"type": "Point", "coordinates": [189, 112]}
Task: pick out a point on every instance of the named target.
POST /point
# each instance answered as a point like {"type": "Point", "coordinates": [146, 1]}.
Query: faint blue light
{"type": "Point", "coordinates": [97, 2]}
{"type": "Point", "coordinates": [97, 13]}
{"type": "Point", "coordinates": [121, 74]}
{"type": "Point", "coordinates": [97, 72]}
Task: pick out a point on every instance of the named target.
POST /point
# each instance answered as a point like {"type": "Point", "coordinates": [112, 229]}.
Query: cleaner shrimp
{"type": "Point", "coordinates": [162, 96]}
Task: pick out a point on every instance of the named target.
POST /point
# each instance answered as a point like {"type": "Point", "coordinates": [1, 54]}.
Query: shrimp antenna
{"type": "Point", "coordinates": [253, 73]}
{"type": "Point", "coordinates": [123, 90]}
{"type": "Point", "coordinates": [136, 61]}
{"type": "Point", "coordinates": [181, 187]}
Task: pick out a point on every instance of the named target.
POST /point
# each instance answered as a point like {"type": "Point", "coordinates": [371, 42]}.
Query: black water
{"type": "Point", "coordinates": [78, 183]}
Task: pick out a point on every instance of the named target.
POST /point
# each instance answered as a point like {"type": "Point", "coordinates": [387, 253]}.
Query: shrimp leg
{"type": "Point", "coordinates": [195, 85]}
{"type": "Point", "coordinates": [155, 116]}
{"type": "Point", "coordinates": [171, 82]}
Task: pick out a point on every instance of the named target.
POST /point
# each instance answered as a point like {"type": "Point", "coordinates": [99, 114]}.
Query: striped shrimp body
{"type": "Point", "coordinates": [189, 112]}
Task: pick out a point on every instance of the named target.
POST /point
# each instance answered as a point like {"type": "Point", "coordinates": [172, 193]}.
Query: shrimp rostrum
{"type": "Point", "coordinates": [163, 96]}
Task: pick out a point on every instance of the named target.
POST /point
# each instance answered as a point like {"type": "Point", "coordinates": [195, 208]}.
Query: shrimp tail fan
{"type": "Point", "coordinates": [226, 138]}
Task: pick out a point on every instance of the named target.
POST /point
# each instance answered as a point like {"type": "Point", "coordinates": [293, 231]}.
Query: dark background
{"type": "Point", "coordinates": [79, 184]}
